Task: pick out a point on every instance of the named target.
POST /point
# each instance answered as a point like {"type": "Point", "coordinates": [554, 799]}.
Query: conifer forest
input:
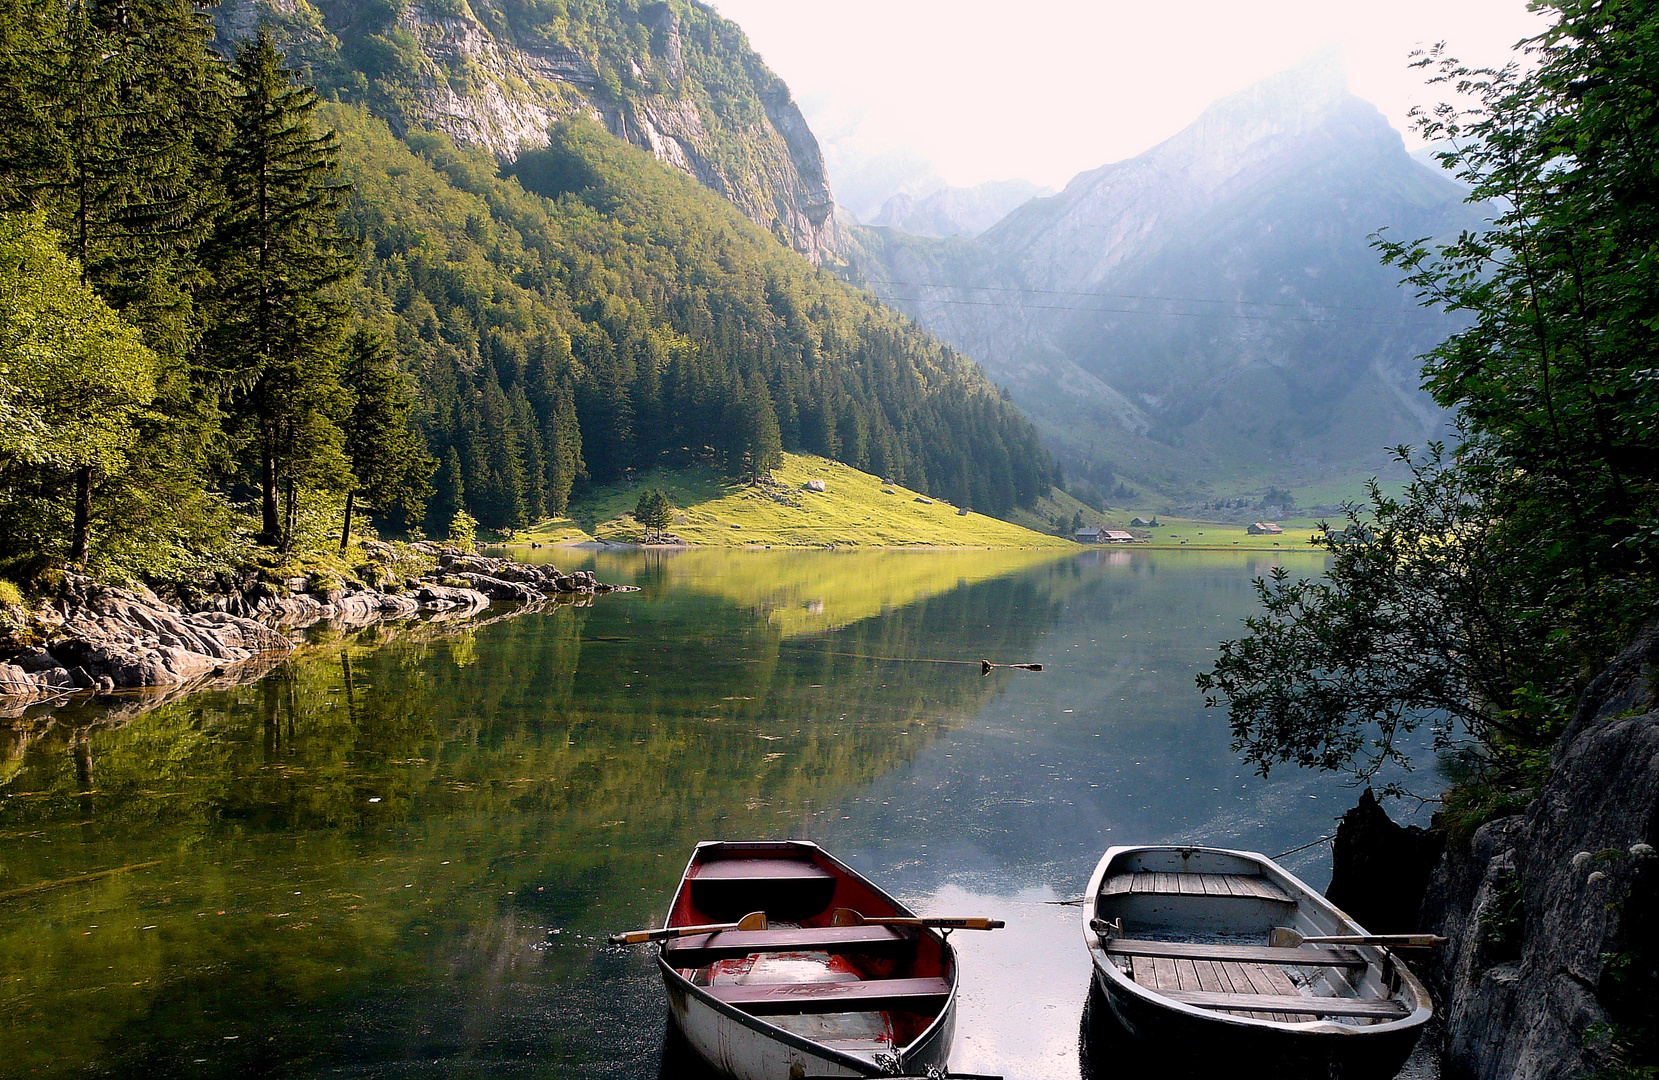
{"type": "Point", "coordinates": [240, 312]}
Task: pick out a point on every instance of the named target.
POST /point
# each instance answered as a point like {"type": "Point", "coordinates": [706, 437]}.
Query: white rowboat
{"type": "Point", "coordinates": [1179, 937]}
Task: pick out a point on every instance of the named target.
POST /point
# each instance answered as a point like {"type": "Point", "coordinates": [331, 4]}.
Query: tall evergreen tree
{"type": "Point", "coordinates": [564, 454]}
{"type": "Point", "coordinates": [757, 445]}
{"type": "Point", "coordinates": [274, 257]}
{"type": "Point", "coordinates": [389, 463]}
{"type": "Point", "coordinates": [451, 485]}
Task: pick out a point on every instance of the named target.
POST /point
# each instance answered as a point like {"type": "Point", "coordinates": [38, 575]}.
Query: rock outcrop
{"type": "Point", "coordinates": [497, 76]}
{"type": "Point", "coordinates": [1553, 955]}
{"type": "Point", "coordinates": [99, 637]}
{"type": "Point", "coordinates": [1380, 869]}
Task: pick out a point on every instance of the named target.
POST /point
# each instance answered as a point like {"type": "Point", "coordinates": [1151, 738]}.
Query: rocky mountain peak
{"type": "Point", "coordinates": [1210, 309]}
{"type": "Point", "coordinates": [671, 77]}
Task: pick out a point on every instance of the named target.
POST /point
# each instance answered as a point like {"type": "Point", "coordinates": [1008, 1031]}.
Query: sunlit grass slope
{"type": "Point", "coordinates": [854, 509]}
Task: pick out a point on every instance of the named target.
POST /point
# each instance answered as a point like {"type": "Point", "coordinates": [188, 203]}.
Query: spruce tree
{"type": "Point", "coordinates": [450, 481]}
{"type": "Point", "coordinates": [277, 252]}
{"type": "Point", "coordinates": [757, 444]}
{"type": "Point", "coordinates": [564, 454]}
{"type": "Point", "coordinates": [32, 59]}
{"type": "Point", "coordinates": [389, 463]}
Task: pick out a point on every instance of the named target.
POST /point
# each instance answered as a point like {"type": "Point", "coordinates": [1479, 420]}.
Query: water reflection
{"type": "Point", "coordinates": [399, 856]}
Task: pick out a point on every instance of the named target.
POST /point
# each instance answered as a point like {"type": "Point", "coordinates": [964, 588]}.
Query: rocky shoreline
{"type": "Point", "coordinates": [97, 637]}
{"type": "Point", "coordinates": [1551, 970]}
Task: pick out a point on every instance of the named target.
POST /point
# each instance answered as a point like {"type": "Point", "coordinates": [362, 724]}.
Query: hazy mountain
{"type": "Point", "coordinates": [865, 182]}
{"type": "Point", "coordinates": [669, 76]}
{"type": "Point", "coordinates": [1211, 310]}
{"type": "Point", "coordinates": [957, 211]}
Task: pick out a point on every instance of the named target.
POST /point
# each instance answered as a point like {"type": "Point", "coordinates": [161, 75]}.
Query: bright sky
{"type": "Point", "coordinates": [1044, 89]}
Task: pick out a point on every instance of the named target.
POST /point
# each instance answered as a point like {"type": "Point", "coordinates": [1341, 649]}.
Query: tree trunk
{"type": "Point", "coordinates": [288, 518]}
{"type": "Point", "coordinates": [345, 530]}
{"type": "Point", "coordinates": [80, 541]}
{"type": "Point", "coordinates": [270, 525]}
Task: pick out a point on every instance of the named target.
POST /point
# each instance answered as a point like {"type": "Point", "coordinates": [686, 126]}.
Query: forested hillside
{"type": "Point", "coordinates": [231, 310]}
{"type": "Point", "coordinates": [621, 295]}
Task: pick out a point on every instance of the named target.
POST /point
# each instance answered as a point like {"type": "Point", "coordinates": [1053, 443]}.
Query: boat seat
{"type": "Point", "coordinates": [761, 870]}
{"type": "Point", "coordinates": [1304, 956]}
{"type": "Point", "coordinates": [701, 950]}
{"type": "Point", "coordinates": [1375, 1008]}
{"type": "Point", "coordinates": [788, 890]}
{"type": "Point", "coordinates": [871, 995]}
{"type": "Point", "coordinates": [1149, 883]}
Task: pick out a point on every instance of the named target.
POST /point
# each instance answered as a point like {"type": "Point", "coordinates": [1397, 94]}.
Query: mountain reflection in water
{"type": "Point", "coordinates": [400, 856]}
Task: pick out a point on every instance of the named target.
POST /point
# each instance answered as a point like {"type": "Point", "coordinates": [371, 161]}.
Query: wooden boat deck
{"type": "Point", "coordinates": [1305, 956]}
{"type": "Point", "coordinates": [700, 950]}
{"type": "Point", "coordinates": [1247, 980]}
{"type": "Point", "coordinates": [1172, 884]}
{"type": "Point", "coordinates": [1261, 991]}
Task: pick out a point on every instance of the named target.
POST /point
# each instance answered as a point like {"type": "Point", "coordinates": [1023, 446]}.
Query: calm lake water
{"type": "Point", "coordinates": [398, 855]}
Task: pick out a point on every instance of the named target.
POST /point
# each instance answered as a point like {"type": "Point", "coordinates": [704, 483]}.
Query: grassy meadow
{"type": "Point", "coordinates": [855, 509]}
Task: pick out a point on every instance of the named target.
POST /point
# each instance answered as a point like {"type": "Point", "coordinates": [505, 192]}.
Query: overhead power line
{"type": "Point", "coordinates": [1120, 296]}
{"type": "Point", "coordinates": [1140, 311]}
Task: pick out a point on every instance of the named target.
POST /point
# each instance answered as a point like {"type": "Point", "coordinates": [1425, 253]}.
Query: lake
{"type": "Point", "coordinates": [398, 854]}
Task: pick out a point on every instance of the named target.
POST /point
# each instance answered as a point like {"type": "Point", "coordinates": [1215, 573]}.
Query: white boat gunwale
{"type": "Point", "coordinates": [859, 1066]}
{"type": "Point", "coordinates": [1298, 890]}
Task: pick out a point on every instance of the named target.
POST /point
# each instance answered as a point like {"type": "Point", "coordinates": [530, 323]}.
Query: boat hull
{"type": "Point", "coordinates": [742, 1047]}
{"type": "Point", "coordinates": [1215, 1048]}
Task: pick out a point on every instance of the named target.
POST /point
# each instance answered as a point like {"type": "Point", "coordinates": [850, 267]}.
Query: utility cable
{"type": "Point", "coordinates": [1135, 311]}
{"type": "Point", "coordinates": [1115, 296]}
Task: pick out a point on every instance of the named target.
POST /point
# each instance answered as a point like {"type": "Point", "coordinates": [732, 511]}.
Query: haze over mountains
{"type": "Point", "coordinates": [1210, 312]}
{"type": "Point", "coordinates": [1206, 316]}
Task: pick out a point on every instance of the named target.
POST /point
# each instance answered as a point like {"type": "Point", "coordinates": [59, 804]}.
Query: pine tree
{"type": "Point", "coordinates": [564, 454]}
{"type": "Point", "coordinates": [105, 110]}
{"type": "Point", "coordinates": [757, 446]}
{"type": "Point", "coordinates": [451, 496]}
{"type": "Point", "coordinates": [389, 463]}
{"type": "Point", "coordinates": [276, 253]}
{"type": "Point", "coordinates": [654, 512]}
{"type": "Point", "coordinates": [31, 68]}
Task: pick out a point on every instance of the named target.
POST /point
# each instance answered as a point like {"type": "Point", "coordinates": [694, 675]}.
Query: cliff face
{"type": "Point", "coordinates": [670, 77]}
{"type": "Point", "coordinates": [1212, 308]}
{"type": "Point", "coordinates": [1551, 972]}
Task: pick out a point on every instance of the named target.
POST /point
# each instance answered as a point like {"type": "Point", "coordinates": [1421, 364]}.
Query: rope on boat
{"type": "Point", "coordinates": [1305, 846]}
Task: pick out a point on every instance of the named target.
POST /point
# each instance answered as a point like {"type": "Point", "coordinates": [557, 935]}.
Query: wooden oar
{"type": "Point", "coordinates": [1283, 937]}
{"type": "Point", "coordinates": [846, 916]}
{"type": "Point", "coordinates": [755, 920]}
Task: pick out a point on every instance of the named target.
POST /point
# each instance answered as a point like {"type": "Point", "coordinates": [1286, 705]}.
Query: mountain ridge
{"type": "Point", "coordinates": [670, 76]}
{"type": "Point", "coordinates": [1209, 311]}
